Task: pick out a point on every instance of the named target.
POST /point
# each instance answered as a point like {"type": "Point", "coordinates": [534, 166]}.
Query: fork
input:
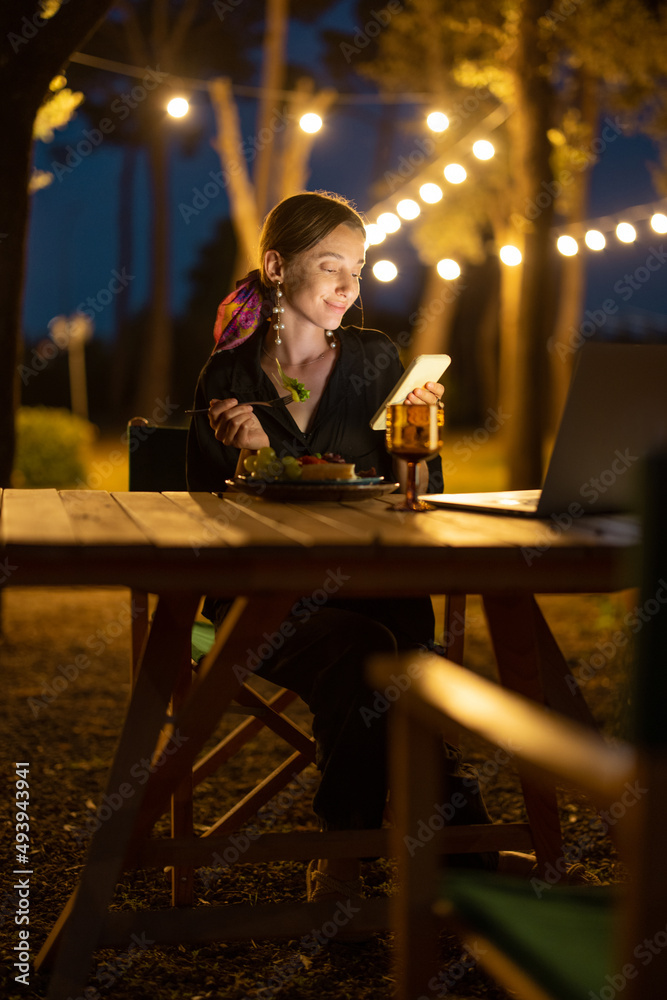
{"type": "Point", "coordinates": [254, 402]}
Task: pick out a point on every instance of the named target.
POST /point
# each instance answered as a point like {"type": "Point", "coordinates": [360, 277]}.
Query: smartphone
{"type": "Point", "coordinates": [424, 368]}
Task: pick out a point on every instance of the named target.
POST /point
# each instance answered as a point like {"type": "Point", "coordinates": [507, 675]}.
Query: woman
{"type": "Point", "coordinates": [311, 256]}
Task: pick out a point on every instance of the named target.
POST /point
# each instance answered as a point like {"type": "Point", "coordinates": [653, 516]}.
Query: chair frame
{"type": "Point", "coordinates": [446, 697]}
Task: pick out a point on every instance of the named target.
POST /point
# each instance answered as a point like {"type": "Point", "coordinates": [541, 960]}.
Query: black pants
{"type": "Point", "coordinates": [323, 662]}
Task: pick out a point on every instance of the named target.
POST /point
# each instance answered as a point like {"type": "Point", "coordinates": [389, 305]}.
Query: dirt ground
{"type": "Point", "coordinates": [65, 684]}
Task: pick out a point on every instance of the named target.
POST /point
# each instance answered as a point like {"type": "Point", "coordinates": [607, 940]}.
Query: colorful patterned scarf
{"type": "Point", "coordinates": [240, 313]}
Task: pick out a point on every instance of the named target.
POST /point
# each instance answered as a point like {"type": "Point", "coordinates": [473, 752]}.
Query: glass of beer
{"type": "Point", "coordinates": [414, 433]}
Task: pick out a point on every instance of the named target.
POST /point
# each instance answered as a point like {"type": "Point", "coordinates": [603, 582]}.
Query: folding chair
{"type": "Point", "coordinates": [157, 463]}
{"type": "Point", "coordinates": [542, 940]}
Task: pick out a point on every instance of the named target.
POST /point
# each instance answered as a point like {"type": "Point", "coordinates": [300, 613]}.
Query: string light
{"type": "Point", "coordinates": [310, 122]}
{"type": "Point", "coordinates": [483, 149]}
{"type": "Point", "coordinates": [385, 270]}
{"type": "Point", "coordinates": [510, 255]}
{"type": "Point", "coordinates": [178, 107]}
{"type": "Point", "coordinates": [448, 269]}
{"type": "Point", "coordinates": [374, 234]}
{"type": "Point", "coordinates": [408, 209]}
{"type": "Point", "coordinates": [659, 222]}
{"type": "Point", "coordinates": [626, 233]}
{"type": "Point", "coordinates": [389, 222]}
{"type": "Point", "coordinates": [430, 193]}
{"type": "Point", "coordinates": [437, 121]}
{"type": "Point", "coordinates": [595, 240]}
{"type": "Point", "coordinates": [567, 245]}
{"type": "Point", "coordinates": [455, 173]}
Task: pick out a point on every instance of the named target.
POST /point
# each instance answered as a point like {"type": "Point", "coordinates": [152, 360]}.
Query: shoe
{"type": "Point", "coordinates": [525, 866]}
{"type": "Point", "coordinates": [321, 886]}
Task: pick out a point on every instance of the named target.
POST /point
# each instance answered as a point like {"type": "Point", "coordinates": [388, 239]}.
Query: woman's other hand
{"type": "Point", "coordinates": [431, 392]}
{"type": "Point", "coordinates": [236, 425]}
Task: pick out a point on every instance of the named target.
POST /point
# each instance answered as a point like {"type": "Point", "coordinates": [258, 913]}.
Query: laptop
{"type": "Point", "coordinates": [615, 413]}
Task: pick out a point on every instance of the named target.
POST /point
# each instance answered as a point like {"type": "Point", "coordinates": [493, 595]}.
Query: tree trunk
{"type": "Point", "coordinates": [567, 336]}
{"type": "Point", "coordinates": [14, 174]}
{"type": "Point", "coordinates": [155, 379]}
{"type": "Point", "coordinates": [242, 204]}
{"type": "Point", "coordinates": [123, 351]}
{"type": "Point", "coordinates": [31, 59]}
{"type": "Point", "coordinates": [292, 155]}
{"type": "Point", "coordinates": [273, 69]}
{"type": "Point", "coordinates": [528, 128]}
{"type": "Point", "coordinates": [432, 331]}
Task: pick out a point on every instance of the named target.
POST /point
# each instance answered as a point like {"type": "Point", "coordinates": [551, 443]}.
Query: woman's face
{"type": "Point", "coordinates": [320, 284]}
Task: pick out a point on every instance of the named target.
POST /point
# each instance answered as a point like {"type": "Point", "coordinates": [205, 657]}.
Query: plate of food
{"type": "Point", "coordinates": [311, 477]}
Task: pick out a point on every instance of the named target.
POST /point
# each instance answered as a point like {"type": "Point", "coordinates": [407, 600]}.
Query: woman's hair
{"type": "Point", "coordinates": [299, 222]}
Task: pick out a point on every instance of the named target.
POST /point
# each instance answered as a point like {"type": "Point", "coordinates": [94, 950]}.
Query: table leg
{"type": "Point", "coordinates": [517, 637]}
{"type": "Point", "coordinates": [79, 925]}
{"type": "Point", "coordinates": [182, 818]}
{"type": "Point", "coordinates": [561, 691]}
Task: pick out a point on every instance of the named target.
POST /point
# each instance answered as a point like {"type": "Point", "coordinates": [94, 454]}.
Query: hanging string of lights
{"type": "Point", "coordinates": [389, 215]}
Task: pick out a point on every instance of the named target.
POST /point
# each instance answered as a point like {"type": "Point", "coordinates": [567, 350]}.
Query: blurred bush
{"type": "Point", "coordinates": [52, 448]}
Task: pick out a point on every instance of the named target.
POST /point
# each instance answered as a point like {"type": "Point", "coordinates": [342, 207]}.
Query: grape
{"type": "Point", "coordinates": [274, 468]}
{"type": "Point", "coordinates": [267, 466]}
{"type": "Point", "coordinates": [292, 470]}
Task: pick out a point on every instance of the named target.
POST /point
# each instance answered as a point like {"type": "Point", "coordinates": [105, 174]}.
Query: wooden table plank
{"type": "Point", "coordinates": [97, 519]}
{"type": "Point", "coordinates": [266, 521]}
{"type": "Point", "coordinates": [216, 516]}
{"type": "Point", "coordinates": [34, 517]}
{"type": "Point", "coordinates": [279, 516]}
{"type": "Point", "coordinates": [165, 523]}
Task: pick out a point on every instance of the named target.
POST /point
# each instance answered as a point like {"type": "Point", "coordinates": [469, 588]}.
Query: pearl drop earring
{"type": "Point", "coordinates": [330, 337]}
{"type": "Point", "coordinates": [278, 310]}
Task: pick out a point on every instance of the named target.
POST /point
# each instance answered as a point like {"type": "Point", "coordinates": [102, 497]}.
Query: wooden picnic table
{"type": "Point", "coordinates": [267, 555]}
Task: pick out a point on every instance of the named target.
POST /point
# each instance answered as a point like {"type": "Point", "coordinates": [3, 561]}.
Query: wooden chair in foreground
{"type": "Point", "coordinates": [157, 463]}
{"type": "Point", "coordinates": [542, 940]}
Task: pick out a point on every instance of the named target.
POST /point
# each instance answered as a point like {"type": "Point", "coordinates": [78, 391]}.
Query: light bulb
{"type": "Point", "coordinates": [385, 270]}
